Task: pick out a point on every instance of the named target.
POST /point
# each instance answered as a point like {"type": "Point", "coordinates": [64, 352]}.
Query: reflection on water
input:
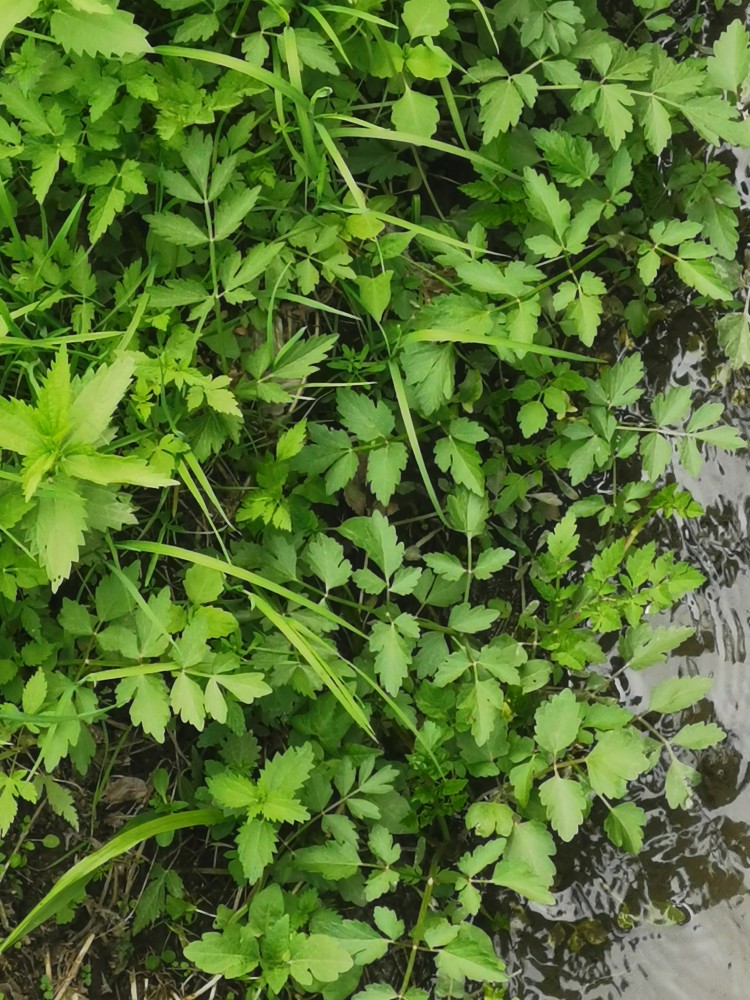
{"type": "Point", "coordinates": [674, 922]}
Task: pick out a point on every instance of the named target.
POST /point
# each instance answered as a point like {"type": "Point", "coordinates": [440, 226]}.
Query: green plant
{"type": "Point", "coordinates": [314, 464]}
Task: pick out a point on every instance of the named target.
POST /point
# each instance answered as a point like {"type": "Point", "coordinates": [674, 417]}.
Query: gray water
{"type": "Point", "coordinates": [674, 922]}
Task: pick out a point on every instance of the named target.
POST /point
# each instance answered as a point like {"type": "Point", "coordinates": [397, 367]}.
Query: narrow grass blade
{"type": "Point", "coordinates": [323, 670]}
{"type": "Point", "coordinates": [438, 336]}
{"type": "Point", "coordinates": [254, 579]}
{"type": "Point", "coordinates": [68, 885]}
{"type": "Point", "coordinates": [411, 433]}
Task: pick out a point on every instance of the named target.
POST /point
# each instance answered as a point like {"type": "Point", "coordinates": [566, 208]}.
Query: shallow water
{"type": "Point", "coordinates": [674, 922]}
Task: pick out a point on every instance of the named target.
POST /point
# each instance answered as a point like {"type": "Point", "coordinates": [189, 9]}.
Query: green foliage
{"type": "Point", "coordinates": [310, 463]}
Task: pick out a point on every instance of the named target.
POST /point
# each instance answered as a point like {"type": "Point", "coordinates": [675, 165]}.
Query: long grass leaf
{"type": "Point", "coordinates": [438, 336]}
{"type": "Point", "coordinates": [69, 884]}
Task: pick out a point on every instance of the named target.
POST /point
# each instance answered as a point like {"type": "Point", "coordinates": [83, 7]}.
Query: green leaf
{"type": "Point", "coordinates": [470, 620]}
{"type": "Point", "coordinates": [318, 957]}
{"type": "Point", "coordinates": [704, 278]}
{"type": "Point", "coordinates": [149, 703]}
{"type": "Point", "coordinates": [58, 530]}
{"type": "Point", "coordinates": [729, 66]}
{"type": "Point", "coordinates": [616, 759]}
{"type": "Point", "coordinates": [334, 861]}
{"type": "Point", "coordinates": [232, 211]}
{"type": "Point", "coordinates": [363, 417]}
{"type": "Point", "coordinates": [491, 561]}
{"type": "Point", "coordinates": [203, 585]}
{"type": "Point", "coordinates": [378, 538]}
{"type": "Point", "coordinates": [470, 955]}
{"type": "Point", "coordinates": [280, 781]}
{"type": "Point", "coordinates": [108, 469]}
{"type": "Point", "coordinates": [425, 17]}
{"type": "Point", "coordinates": [14, 12]}
{"type": "Point", "coordinates": [176, 229]}
{"type": "Point", "coordinates": [681, 779]}
{"type": "Point", "coordinates": [112, 34]}
{"type": "Point", "coordinates": [670, 408]}
{"type": "Point", "coordinates": [656, 452]}
{"type": "Point", "coordinates": [645, 646]}
{"type": "Point", "coordinates": [393, 657]}
{"type": "Point", "coordinates": [624, 826]}
{"type": "Point", "coordinates": [532, 417]}
{"type": "Point", "coordinates": [734, 338]}
{"type": "Point", "coordinates": [34, 692]}
{"type": "Point", "coordinates": [521, 878]}
{"type": "Point", "coordinates": [96, 401]}
{"type": "Point", "coordinates": [677, 693]}
{"type": "Point", "coordinates": [376, 292]}
{"type": "Point", "coordinates": [557, 721]}
{"type": "Point", "coordinates": [232, 791]}
{"type": "Point", "coordinates": [256, 846]}
{"type": "Point", "coordinates": [384, 469]}
{"type": "Point", "coordinates": [489, 818]}
{"type": "Point", "coordinates": [233, 953]}
{"type": "Point", "coordinates": [186, 700]}
{"type": "Point", "coordinates": [699, 736]}
{"type": "Point", "coordinates": [544, 202]}
{"type": "Point", "coordinates": [565, 802]}
{"type": "Point", "coordinates": [414, 113]}
{"type": "Point", "coordinates": [325, 557]}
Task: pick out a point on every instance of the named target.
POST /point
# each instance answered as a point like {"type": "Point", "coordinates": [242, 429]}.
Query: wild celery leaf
{"type": "Point", "coordinates": [58, 530]}
{"type": "Point", "coordinates": [491, 561]}
{"type": "Point", "coordinates": [176, 229]}
{"type": "Point", "coordinates": [645, 646]}
{"type": "Point", "coordinates": [681, 779]}
{"type": "Point", "coordinates": [445, 564]}
{"type": "Point", "coordinates": [488, 818]}
{"type": "Point", "coordinates": [532, 417]}
{"type": "Point", "coordinates": [416, 114]}
{"type": "Point", "coordinates": [232, 210]}
{"type": "Point", "coordinates": [425, 17]}
{"type": "Point", "coordinates": [375, 293]}
{"type": "Point", "coordinates": [325, 557]}
{"type": "Point", "coordinates": [557, 721]}
{"type": "Point", "coordinates": [281, 780]}
{"type": "Point", "coordinates": [246, 688]}
{"type": "Point", "coordinates": [203, 585]}
{"type": "Point", "coordinates": [670, 408]}
{"type": "Point", "coordinates": [335, 861]}
{"type": "Point", "coordinates": [725, 437]}
{"type": "Point", "coordinates": [521, 878]}
{"type": "Point", "coordinates": [149, 703]}
{"type": "Point", "coordinates": [734, 338]}
{"type": "Point", "coordinates": [233, 953]}
{"type": "Point", "coordinates": [378, 538]}
{"type": "Point", "coordinates": [656, 452]}
{"type": "Point", "coordinates": [470, 620]}
{"type": "Point", "coordinates": [544, 202]}
{"type": "Point", "coordinates": [618, 386]}
{"type": "Point", "coordinates": [365, 418]}
{"type": "Point", "coordinates": [501, 104]}
{"type": "Point", "coordinates": [563, 541]}
{"type": "Point", "coordinates": [186, 700]}
{"type": "Point", "coordinates": [463, 461]}
{"type": "Point", "coordinates": [106, 204]}
{"type": "Point", "coordinates": [624, 826]}
{"type": "Point", "coordinates": [482, 705]}
{"type": "Point", "coordinates": [565, 802]}
{"type": "Point", "coordinates": [34, 692]}
{"type": "Point", "coordinates": [393, 657]}
{"type": "Point", "coordinates": [318, 957]}
{"type": "Point", "coordinates": [256, 846]}
{"type": "Point", "coordinates": [570, 158]}
{"type": "Point", "coordinates": [470, 955]}
{"type": "Point", "coordinates": [699, 736]}
{"type": "Point", "coordinates": [111, 34]}
{"type": "Point", "coordinates": [677, 693]}
{"type": "Point", "coordinates": [429, 370]}
{"type": "Point", "coordinates": [384, 469]}
{"type": "Point", "coordinates": [729, 66]}
{"type": "Point", "coordinates": [616, 759]}
{"type": "Point", "coordinates": [703, 277]}
{"type": "Point", "coordinates": [428, 62]}
{"type": "Point", "coordinates": [232, 791]}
